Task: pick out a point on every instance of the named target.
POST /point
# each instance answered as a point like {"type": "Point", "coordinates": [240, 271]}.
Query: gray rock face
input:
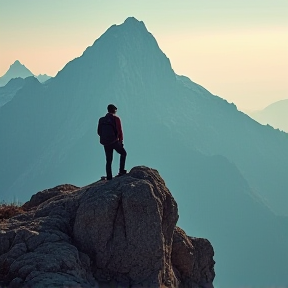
{"type": "Point", "coordinates": [120, 233]}
{"type": "Point", "coordinates": [193, 258]}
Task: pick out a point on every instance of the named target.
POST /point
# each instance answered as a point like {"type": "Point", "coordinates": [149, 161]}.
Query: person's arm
{"type": "Point", "coordinates": [98, 128]}
{"type": "Point", "coordinates": [119, 128]}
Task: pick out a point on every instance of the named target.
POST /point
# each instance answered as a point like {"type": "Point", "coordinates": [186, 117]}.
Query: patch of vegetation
{"type": "Point", "coordinates": [9, 210]}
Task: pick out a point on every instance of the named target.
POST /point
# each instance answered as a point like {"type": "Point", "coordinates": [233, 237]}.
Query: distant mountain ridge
{"type": "Point", "coordinates": [17, 70]}
{"type": "Point", "coordinates": [230, 171]}
{"type": "Point", "coordinates": [43, 77]}
{"type": "Point", "coordinates": [8, 91]}
{"type": "Point", "coordinates": [276, 115]}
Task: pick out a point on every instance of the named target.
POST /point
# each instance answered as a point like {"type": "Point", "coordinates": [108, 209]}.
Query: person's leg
{"type": "Point", "coordinates": [109, 158]}
{"type": "Point", "coordinates": [120, 149]}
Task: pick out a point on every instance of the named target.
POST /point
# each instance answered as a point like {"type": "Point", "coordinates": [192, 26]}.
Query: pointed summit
{"type": "Point", "coordinates": [17, 63]}
{"type": "Point", "coordinates": [17, 69]}
{"type": "Point", "coordinates": [125, 49]}
{"type": "Point", "coordinates": [133, 22]}
{"type": "Point", "coordinates": [132, 19]}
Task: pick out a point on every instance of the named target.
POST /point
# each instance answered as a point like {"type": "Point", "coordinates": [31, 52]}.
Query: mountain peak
{"type": "Point", "coordinates": [17, 62]}
{"type": "Point", "coordinates": [133, 20]}
{"type": "Point", "coordinates": [124, 48]}
{"type": "Point", "coordinates": [131, 25]}
{"type": "Point", "coordinates": [18, 66]}
{"type": "Point", "coordinates": [17, 69]}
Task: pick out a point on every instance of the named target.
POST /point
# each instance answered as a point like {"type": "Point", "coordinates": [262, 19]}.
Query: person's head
{"type": "Point", "coordinates": [112, 108]}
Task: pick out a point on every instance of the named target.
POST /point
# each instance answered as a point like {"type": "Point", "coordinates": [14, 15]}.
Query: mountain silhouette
{"type": "Point", "coordinates": [43, 77]}
{"type": "Point", "coordinates": [230, 172]}
{"type": "Point", "coordinates": [15, 70]}
{"type": "Point", "coordinates": [275, 115]}
{"type": "Point", "coordinates": [18, 70]}
{"type": "Point", "coordinates": [10, 89]}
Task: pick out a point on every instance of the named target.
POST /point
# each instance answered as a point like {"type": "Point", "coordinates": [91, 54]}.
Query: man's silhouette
{"type": "Point", "coordinates": [111, 136]}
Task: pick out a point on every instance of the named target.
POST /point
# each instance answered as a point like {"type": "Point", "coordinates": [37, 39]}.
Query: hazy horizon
{"type": "Point", "coordinates": [237, 50]}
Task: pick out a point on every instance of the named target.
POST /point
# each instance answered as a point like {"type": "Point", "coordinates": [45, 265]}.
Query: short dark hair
{"type": "Point", "coordinates": [111, 108]}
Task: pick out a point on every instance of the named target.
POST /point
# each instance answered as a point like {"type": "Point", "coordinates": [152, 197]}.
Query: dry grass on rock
{"type": "Point", "coordinates": [9, 210]}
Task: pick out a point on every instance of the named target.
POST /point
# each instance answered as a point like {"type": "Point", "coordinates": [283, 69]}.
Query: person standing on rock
{"type": "Point", "coordinates": [111, 137]}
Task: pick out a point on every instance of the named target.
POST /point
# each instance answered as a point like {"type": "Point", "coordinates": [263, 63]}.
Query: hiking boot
{"type": "Point", "coordinates": [121, 173]}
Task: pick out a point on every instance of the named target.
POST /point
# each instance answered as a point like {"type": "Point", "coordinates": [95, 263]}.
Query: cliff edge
{"type": "Point", "coordinates": [120, 233]}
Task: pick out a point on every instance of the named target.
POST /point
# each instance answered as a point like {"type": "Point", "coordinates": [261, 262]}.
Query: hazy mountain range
{"type": "Point", "coordinates": [276, 115]}
{"type": "Point", "coordinates": [18, 70]}
{"type": "Point", "coordinates": [8, 91]}
{"type": "Point", "coordinates": [14, 80]}
{"type": "Point", "coordinates": [227, 172]}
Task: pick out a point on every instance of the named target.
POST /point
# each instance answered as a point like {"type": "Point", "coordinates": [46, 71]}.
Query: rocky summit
{"type": "Point", "coordinates": [118, 233]}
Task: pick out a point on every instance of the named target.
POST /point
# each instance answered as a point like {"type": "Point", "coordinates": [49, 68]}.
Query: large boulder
{"type": "Point", "coordinates": [119, 233]}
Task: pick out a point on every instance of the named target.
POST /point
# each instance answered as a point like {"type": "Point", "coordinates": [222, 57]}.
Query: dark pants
{"type": "Point", "coordinates": [109, 157]}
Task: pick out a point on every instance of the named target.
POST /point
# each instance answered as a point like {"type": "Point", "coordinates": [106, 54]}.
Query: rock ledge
{"type": "Point", "coordinates": [120, 233]}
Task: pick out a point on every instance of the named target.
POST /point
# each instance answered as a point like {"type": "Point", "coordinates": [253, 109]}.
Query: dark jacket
{"type": "Point", "coordinates": [110, 129]}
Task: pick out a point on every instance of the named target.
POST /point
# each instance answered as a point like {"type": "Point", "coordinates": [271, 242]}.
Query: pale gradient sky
{"type": "Point", "coordinates": [236, 49]}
